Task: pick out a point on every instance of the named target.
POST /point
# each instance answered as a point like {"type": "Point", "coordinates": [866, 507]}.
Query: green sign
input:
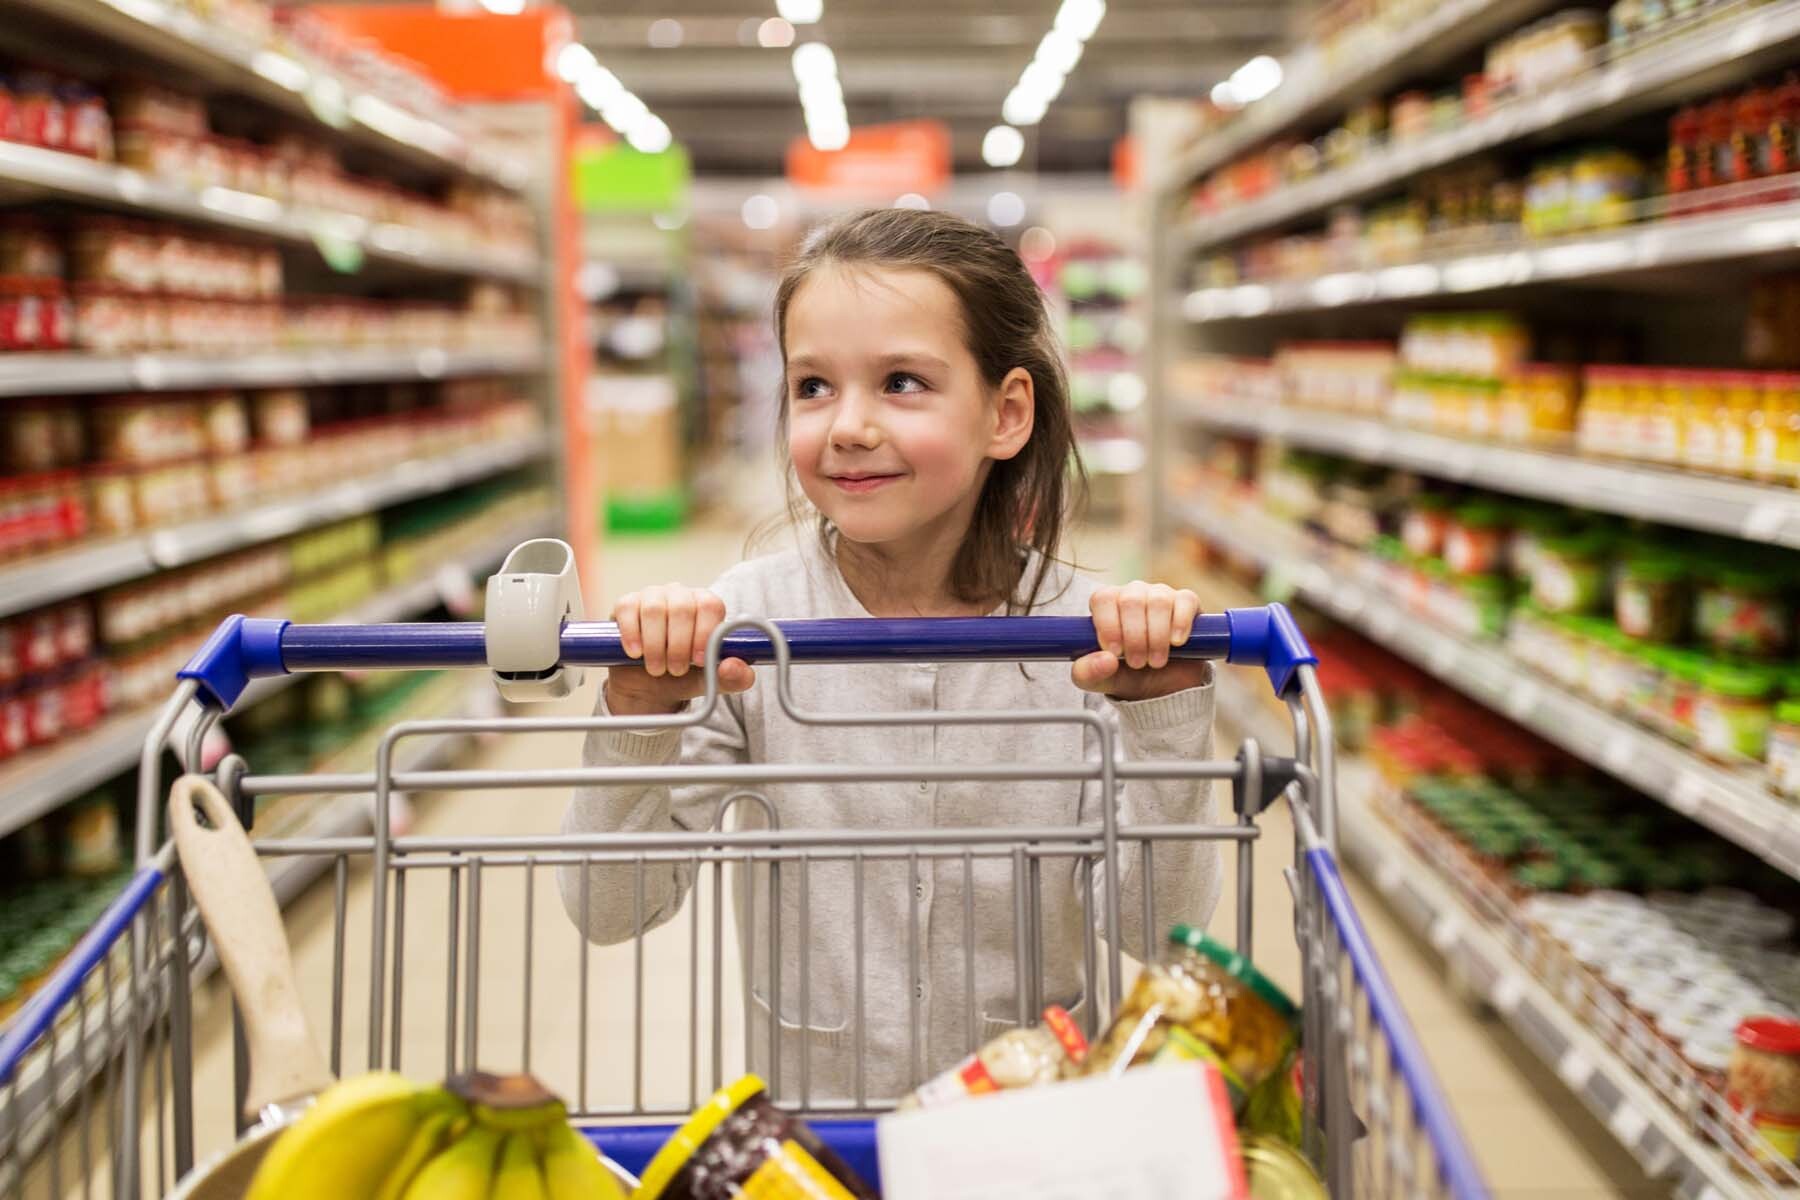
{"type": "Point", "coordinates": [616, 178]}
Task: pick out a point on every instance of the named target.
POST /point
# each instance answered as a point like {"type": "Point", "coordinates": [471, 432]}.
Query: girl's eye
{"type": "Point", "coordinates": [900, 381]}
{"type": "Point", "coordinates": [810, 388]}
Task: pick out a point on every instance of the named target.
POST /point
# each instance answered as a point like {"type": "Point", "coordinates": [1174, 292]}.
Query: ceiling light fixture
{"type": "Point", "coordinates": [1003, 146]}
{"type": "Point", "coordinates": [821, 96]}
{"type": "Point", "coordinates": [1058, 53]}
{"type": "Point", "coordinates": [666, 33]}
{"type": "Point", "coordinates": [573, 61]}
{"type": "Point", "coordinates": [801, 12]}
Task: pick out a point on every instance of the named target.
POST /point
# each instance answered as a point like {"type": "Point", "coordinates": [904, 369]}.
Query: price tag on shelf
{"type": "Point", "coordinates": [1522, 701]}
{"type": "Point", "coordinates": [1688, 793]}
{"type": "Point", "coordinates": [325, 96]}
{"type": "Point", "coordinates": [1574, 1069]}
{"type": "Point", "coordinates": [1628, 1124]}
{"type": "Point", "coordinates": [1507, 993]}
{"type": "Point", "coordinates": [1766, 518]}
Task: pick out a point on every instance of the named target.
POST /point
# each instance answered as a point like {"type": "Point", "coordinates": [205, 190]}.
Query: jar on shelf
{"type": "Point", "coordinates": [1784, 750]}
{"type": "Point", "coordinates": [1745, 611]}
{"type": "Point", "coordinates": [1651, 600]}
{"type": "Point", "coordinates": [1703, 416]}
{"type": "Point", "coordinates": [1569, 572]}
{"type": "Point", "coordinates": [1475, 538]}
{"type": "Point", "coordinates": [1733, 711]}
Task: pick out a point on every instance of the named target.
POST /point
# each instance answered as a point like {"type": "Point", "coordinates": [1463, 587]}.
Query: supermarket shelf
{"type": "Point", "coordinates": [74, 572]}
{"type": "Point", "coordinates": [1732, 804]}
{"type": "Point", "coordinates": [81, 1058]}
{"type": "Point", "coordinates": [1766, 230]}
{"type": "Point", "coordinates": [41, 781]}
{"type": "Point", "coordinates": [1370, 65]}
{"type": "Point", "coordinates": [1753, 512]}
{"type": "Point", "coordinates": [69, 176]}
{"type": "Point", "coordinates": [68, 374]}
{"type": "Point", "coordinates": [187, 44]}
{"type": "Point", "coordinates": [1713, 54]}
{"type": "Point", "coordinates": [1659, 1137]}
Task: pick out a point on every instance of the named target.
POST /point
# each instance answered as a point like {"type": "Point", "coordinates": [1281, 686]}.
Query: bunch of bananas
{"type": "Point", "coordinates": [478, 1136]}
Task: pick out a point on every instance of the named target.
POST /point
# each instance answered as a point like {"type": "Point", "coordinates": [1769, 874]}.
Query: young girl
{"type": "Point", "coordinates": [927, 422]}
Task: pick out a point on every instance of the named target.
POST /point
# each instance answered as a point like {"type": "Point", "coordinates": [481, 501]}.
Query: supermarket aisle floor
{"type": "Point", "coordinates": [1531, 1138]}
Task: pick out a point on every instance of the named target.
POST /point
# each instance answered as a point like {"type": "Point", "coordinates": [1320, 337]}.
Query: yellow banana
{"type": "Point", "coordinates": [572, 1170]}
{"type": "Point", "coordinates": [464, 1171]}
{"type": "Point", "coordinates": [520, 1177]}
{"type": "Point", "coordinates": [346, 1144]}
{"type": "Point", "coordinates": [435, 1133]}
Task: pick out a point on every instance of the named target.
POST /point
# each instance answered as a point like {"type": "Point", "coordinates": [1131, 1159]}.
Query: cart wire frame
{"type": "Point", "coordinates": [96, 1071]}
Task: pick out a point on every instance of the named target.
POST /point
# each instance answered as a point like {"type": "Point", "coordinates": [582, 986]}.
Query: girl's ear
{"type": "Point", "coordinates": [1015, 411]}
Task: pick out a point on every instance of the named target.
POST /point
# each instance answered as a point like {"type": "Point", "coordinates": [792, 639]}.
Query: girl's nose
{"type": "Point", "coordinates": [853, 425]}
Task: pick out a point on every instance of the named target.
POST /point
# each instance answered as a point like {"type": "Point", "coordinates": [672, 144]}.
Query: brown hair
{"type": "Point", "coordinates": [1026, 499]}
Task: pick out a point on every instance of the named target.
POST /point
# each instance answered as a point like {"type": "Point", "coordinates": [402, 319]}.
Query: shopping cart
{"type": "Point", "coordinates": [97, 1073]}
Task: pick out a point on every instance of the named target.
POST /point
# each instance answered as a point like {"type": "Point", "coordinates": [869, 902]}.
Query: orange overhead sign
{"type": "Point", "coordinates": [882, 160]}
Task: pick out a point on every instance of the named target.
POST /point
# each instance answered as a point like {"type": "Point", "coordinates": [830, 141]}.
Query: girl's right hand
{"type": "Point", "coordinates": [667, 628]}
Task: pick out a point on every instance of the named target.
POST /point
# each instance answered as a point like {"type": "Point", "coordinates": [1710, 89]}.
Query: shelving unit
{"type": "Point", "coordinates": [1754, 512]}
{"type": "Point", "coordinates": [55, 577]}
{"type": "Point", "coordinates": [286, 81]}
{"type": "Point", "coordinates": [1644, 1121]}
{"type": "Point", "coordinates": [75, 374]}
{"type": "Point", "coordinates": [71, 177]}
{"type": "Point", "coordinates": [1731, 804]}
{"type": "Point", "coordinates": [81, 1054]}
{"type": "Point", "coordinates": [1369, 63]}
{"type": "Point", "coordinates": [40, 782]}
{"type": "Point", "coordinates": [1690, 60]}
{"type": "Point", "coordinates": [1767, 234]}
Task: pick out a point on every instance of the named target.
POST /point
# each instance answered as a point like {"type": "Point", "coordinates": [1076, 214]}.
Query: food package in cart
{"type": "Point", "coordinates": [1018, 1058]}
{"type": "Point", "coordinates": [1165, 1134]}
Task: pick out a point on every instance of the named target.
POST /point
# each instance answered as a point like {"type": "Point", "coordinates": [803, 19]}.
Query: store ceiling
{"type": "Point", "coordinates": [734, 104]}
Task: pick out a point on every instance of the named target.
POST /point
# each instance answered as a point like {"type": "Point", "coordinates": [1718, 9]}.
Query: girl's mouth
{"type": "Point", "coordinates": [860, 484]}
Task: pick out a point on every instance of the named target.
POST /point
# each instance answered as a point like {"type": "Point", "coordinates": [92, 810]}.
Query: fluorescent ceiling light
{"type": "Point", "coordinates": [599, 87]}
{"type": "Point", "coordinates": [1003, 146]}
{"type": "Point", "coordinates": [1079, 18]}
{"type": "Point", "coordinates": [814, 60]}
{"type": "Point", "coordinates": [1059, 51]}
{"type": "Point", "coordinates": [1023, 109]}
{"type": "Point", "coordinates": [575, 60]}
{"type": "Point", "coordinates": [650, 135]}
{"type": "Point", "coordinates": [800, 12]}
{"type": "Point", "coordinates": [775, 34]}
{"type": "Point", "coordinates": [1256, 79]}
{"type": "Point", "coordinates": [1041, 82]}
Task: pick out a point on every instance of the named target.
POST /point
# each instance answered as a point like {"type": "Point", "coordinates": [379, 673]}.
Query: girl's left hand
{"type": "Point", "coordinates": [1137, 624]}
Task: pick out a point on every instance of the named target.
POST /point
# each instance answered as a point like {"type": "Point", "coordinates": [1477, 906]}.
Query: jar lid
{"type": "Point", "coordinates": [1775, 1035]}
{"type": "Point", "coordinates": [1739, 682]}
{"type": "Point", "coordinates": [1237, 966]}
{"type": "Point", "coordinates": [1657, 563]}
{"type": "Point", "coordinates": [693, 1134]}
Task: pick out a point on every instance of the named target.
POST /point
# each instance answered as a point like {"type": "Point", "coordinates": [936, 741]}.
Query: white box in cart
{"type": "Point", "coordinates": [1155, 1133]}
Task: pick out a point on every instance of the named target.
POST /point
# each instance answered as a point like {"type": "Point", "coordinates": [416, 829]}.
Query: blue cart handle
{"type": "Point", "coordinates": [246, 648]}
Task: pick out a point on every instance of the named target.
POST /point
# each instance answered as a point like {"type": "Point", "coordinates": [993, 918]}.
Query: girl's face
{"type": "Point", "coordinates": [891, 427]}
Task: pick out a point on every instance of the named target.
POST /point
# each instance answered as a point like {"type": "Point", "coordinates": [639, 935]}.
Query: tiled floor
{"type": "Point", "coordinates": [1530, 1137]}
